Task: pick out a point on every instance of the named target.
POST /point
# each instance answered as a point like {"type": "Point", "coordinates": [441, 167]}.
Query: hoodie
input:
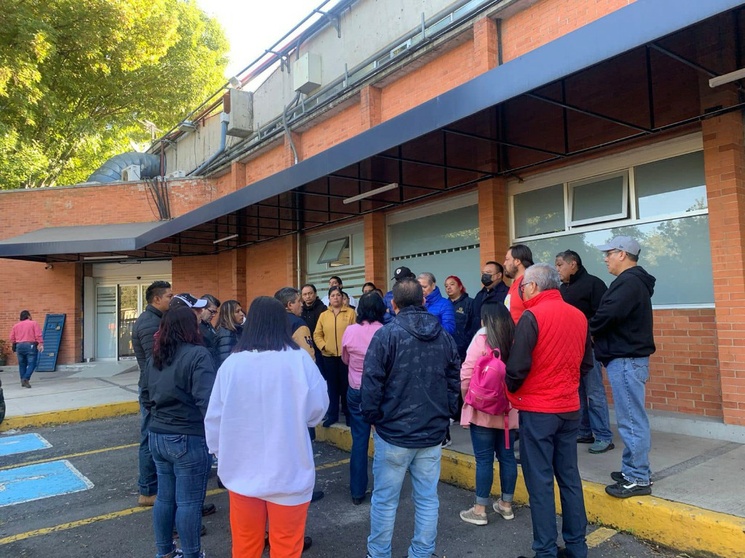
{"type": "Point", "coordinates": [411, 380]}
{"type": "Point", "coordinates": [622, 325]}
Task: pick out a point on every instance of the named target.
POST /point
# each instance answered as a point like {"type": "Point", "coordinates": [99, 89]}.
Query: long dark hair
{"type": "Point", "coordinates": [500, 328]}
{"type": "Point", "coordinates": [178, 326]}
{"type": "Point", "coordinates": [370, 308]}
{"type": "Point", "coordinates": [267, 327]}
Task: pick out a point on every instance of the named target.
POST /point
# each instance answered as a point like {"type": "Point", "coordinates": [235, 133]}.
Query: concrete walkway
{"type": "Point", "coordinates": [698, 502]}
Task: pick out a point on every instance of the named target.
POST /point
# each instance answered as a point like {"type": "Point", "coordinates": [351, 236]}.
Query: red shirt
{"type": "Point", "coordinates": [26, 331]}
{"type": "Point", "coordinates": [513, 301]}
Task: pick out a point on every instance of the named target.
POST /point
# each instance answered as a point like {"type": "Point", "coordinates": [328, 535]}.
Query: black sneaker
{"type": "Point", "coordinates": [208, 509]}
{"type": "Point", "coordinates": [617, 476]}
{"type": "Point", "coordinates": [627, 489]}
{"type": "Point", "coordinates": [585, 439]}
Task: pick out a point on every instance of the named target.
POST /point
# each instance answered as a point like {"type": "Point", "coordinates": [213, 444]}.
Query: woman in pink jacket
{"type": "Point", "coordinates": [487, 431]}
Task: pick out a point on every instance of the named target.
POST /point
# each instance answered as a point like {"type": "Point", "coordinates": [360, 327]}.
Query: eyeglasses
{"type": "Point", "coordinates": [607, 253]}
{"type": "Point", "coordinates": [521, 288]}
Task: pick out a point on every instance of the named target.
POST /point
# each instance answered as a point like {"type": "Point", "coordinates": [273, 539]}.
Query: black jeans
{"type": "Point", "coordinates": [335, 372]}
{"type": "Point", "coordinates": [548, 448]}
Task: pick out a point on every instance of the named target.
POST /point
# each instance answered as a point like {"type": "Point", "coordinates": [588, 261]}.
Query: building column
{"type": "Point", "coordinates": [238, 175]}
{"type": "Point", "coordinates": [724, 162]}
{"type": "Point", "coordinates": [485, 45]}
{"type": "Point", "coordinates": [370, 106]}
{"type": "Point", "coordinates": [376, 261]}
{"type": "Point", "coordinates": [493, 219]}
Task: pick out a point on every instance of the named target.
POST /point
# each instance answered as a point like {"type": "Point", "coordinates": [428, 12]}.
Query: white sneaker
{"type": "Point", "coordinates": [470, 516]}
{"type": "Point", "coordinates": [505, 511]}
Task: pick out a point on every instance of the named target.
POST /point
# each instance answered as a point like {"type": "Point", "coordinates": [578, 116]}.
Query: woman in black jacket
{"type": "Point", "coordinates": [229, 328]}
{"type": "Point", "coordinates": [176, 389]}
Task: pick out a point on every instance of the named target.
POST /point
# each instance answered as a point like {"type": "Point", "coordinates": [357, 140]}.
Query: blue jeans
{"type": "Point", "coordinates": [27, 354]}
{"type": "Point", "coordinates": [148, 478]}
{"type": "Point", "coordinates": [183, 465]}
{"type": "Point", "coordinates": [360, 444]}
{"type": "Point", "coordinates": [486, 442]}
{"type": "Point", "coordinates": [548, 449]}
{"type": "Point", "coordinates": [389, 469]}
{"type": "Point", "coordinates": [593, 405]}
{"type": "Point", "coordinates": [628, 378]}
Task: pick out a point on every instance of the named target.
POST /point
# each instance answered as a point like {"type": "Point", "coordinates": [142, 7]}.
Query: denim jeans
{"type": "Point", "coordinates": [389, 469]}
{"type": "Point", "coordinates": [335, 373]}
{"type": "Point", "coordinates": [147, 480]}
{"type": "Point", "coordinates": [548, 449]}
{"type": "Point", "coordinates": [486, 442]}
{"type": "Point", "coordinates": [628, 378]}
{"type": "Point", "coordinates": [593, 405]}
{"type": "Point", "coordinates": [360, 443]}
{"type": "Point", "coordinates": [27, 354]}
{"type": "Point", "coordinates": [183, 465]}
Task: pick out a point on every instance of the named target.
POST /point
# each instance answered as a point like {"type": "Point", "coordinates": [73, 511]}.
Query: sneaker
{"type": "Point", "coordinates": [627, 489]}
{"type": "Point", "coordinates": [585, 439]}
{"type": "Point", "coordinates": [470, 516]}
{"type": "Point", "coordinates": [504, 510]}
{"type": "Point", "coordinates": [617, 476]}
{"type": "Point", "coordinates": [447, 442]}
{"type": "Point", "coordinates": [143, 500]}
{"type": "Point", "coordinates": [208, 509]}
{"type": "Point", "coordinates": [601, 446]}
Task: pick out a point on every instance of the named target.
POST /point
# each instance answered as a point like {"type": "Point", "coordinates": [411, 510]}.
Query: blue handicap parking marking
{"type": "Point", "coordinates": [43, 480]}
{"type": "Point", "coordinates": [22, 443]}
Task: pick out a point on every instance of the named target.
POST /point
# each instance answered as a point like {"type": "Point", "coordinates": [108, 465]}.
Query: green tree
{"type": "Point", "coordinates": [79, 79]}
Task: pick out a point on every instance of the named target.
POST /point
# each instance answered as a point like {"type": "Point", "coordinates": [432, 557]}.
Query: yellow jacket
{"type": "Point", "coordinates": [330, 329]}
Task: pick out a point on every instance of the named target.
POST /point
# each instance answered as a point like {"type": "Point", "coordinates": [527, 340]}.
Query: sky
{"type": "Point", "coordinates": [252, 26]}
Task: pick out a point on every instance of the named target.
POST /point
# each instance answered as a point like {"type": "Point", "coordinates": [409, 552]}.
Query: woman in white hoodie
{"type": "Point", "coordinates": [266, 396]}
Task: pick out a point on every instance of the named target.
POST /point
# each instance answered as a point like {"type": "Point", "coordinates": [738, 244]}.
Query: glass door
{"type": "Point", "coordinates": [128, 310]}
{"type": "Point", "coordinates": [106, 329]}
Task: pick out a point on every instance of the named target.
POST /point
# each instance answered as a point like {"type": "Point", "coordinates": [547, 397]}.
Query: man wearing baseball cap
{"type": "Point", "coordinates": [622, 332]}
{"type": "Point", "coordinates": [400, 274]}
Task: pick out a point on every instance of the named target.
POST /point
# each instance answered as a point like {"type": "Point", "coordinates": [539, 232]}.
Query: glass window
{"type": "Point", "coordinates": [600, 199]}
{"type": "Point", "coordinates": [675, 185]}
{"type": "Point", "coordinates": [335, 253]}
{"type": "Point", "coordinates": [668, 248]}
{"type": "Point", "coordinates": [539, 211]}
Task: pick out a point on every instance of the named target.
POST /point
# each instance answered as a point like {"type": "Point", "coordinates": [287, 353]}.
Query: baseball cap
{"type": "Point", "coordinates": [403, 273]}
{"type": "Point", "coordinates": [623, 243]}
{"type": "Point", "coordinates": [185, 300]}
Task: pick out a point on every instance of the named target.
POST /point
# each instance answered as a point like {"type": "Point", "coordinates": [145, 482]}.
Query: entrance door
{"type": "Point", "coordinates": [106, 330]}
{"type": "Point", "coordinates": [117, 309]}
{"type": "Point", "coordinates": [128, 310]}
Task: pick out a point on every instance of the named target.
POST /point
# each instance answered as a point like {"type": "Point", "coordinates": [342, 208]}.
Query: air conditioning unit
{"type": "Point", "coordinates": [176, 174]}
{"type": "Point", "coordinates": [306, 73]}
{"type": "Point", "coordinates": [131, 173]}
{"type": "Point", "coordinates": [239, 107]}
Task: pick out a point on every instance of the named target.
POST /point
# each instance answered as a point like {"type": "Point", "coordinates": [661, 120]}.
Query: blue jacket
{"type": "Point", "coordinates": [442, 308]}
{"type": "Point", "coordinates": [411, 380]}
{"type": "Point", "coordinates": [389, 313]}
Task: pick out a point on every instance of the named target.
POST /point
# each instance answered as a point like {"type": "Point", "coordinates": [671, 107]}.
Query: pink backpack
{"type": "Point", "coordinates": [487, 391]}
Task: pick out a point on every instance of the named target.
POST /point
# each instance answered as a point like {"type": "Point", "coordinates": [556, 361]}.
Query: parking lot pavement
{"type": "Point", "coordinates": [70, 491]}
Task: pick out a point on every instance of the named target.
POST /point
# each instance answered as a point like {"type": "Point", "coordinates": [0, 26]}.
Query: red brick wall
{"type": "Point", "coordinates": [684, 372]}
{"type": "Point", "coordinates": [271, 266]}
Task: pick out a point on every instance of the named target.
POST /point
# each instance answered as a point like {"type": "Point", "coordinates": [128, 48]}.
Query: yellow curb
{"type": "Point", "coordinates": [679, 526]}
{"type": "Point", "coordinates": [80, 414]}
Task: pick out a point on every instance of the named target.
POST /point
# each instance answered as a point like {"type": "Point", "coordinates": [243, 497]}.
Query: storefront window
{"type": "Point", "coordinates": [675, 185]}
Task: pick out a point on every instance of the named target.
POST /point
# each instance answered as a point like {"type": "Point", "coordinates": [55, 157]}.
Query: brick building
{"type": "Point", "coordinates": [434, 133]}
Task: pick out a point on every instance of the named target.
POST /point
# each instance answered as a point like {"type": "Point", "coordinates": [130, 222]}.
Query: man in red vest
{"type": "Point", "coordinates": [552, 348]}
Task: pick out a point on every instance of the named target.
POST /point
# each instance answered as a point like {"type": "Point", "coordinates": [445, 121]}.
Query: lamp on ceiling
{"type": "Point", "coordinates": [727, 78]}
{"type": "Point", "coordinates": [358, 197]}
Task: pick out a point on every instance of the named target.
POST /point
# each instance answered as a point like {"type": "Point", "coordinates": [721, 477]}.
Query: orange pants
{"type": "Point", "coordinates": [248, 517]}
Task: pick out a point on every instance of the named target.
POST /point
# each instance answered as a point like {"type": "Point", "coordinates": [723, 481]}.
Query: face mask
{"type": "Point", "coordinates": [486, 279]}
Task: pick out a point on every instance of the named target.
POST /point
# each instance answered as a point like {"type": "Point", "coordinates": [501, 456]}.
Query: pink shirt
{"type": "Point", "coordinates": [468, 415]}
{"type": "Point", "coordinates": [354, 344]}
{"type": "Point", "coordinates": [26, 331]}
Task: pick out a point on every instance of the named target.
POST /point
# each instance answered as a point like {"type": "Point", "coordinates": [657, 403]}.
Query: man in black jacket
{"type": "Point", "coordinates": [494, 290]}
{"type": "Point", "coordinates": [312, 309]}
{"type": "Point", "coordinates": [410, 387]}
{"type": "Point", "coordinates": [209, 335]}
{"type": "Point", "coordinates": [622, 331]}
{"type": "Point", "coordinates": [584, 291]}
{"type": "Point", "coordinates": [158, 296]}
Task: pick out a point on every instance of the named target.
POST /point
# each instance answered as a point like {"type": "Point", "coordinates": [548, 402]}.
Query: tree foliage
{"type": "Point", "coordinates": [81, 79]}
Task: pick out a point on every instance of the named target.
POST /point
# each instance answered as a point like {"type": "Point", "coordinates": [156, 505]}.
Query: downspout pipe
{"type": "Point", "coordinates": [224, 119]}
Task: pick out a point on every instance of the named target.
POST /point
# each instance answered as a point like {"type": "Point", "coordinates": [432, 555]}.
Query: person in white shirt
{"type": "Point", "coordinates": [267, 394]}
{"type": "Point", "coordinates": [335, 281]}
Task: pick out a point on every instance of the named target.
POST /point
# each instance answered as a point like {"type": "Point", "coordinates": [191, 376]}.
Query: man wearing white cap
{"type": "Point", "coordinates": [622, 331]}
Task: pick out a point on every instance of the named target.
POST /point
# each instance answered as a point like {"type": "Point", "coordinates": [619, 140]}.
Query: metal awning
{"type": "Point", "coordinates": [561, 100]}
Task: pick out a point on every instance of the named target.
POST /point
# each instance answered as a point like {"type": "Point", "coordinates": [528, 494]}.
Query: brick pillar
{"type": "Point", "coordinates": [231, 275]}
{"type": "Point", "coordinates": [484, 45]}
{"type": "Point", "coordinates": [724, 162]}
{"type": "Point", "coordinates": [376, 262]}
{"type": "Point", "coordinates": [238, 175]}
{"type": "Point", "coordinates": [493, 219]}
{"type": "Point", "coordinates": [370, 106]}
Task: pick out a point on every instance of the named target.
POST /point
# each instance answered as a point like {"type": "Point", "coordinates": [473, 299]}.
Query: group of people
{"type": "Point", "coordinates": [398, 365]}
